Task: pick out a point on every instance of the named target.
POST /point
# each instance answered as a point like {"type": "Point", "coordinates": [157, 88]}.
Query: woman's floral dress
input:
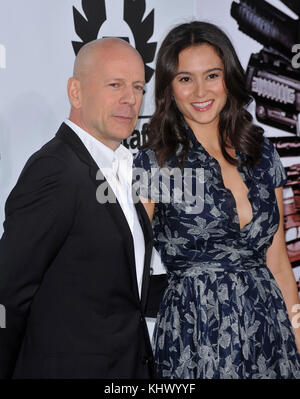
{"type": "Point", "coordinates": [222, 315]}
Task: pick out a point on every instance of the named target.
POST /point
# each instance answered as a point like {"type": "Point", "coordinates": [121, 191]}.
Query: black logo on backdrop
{"type": "Point", "coordinates": [88, 27]}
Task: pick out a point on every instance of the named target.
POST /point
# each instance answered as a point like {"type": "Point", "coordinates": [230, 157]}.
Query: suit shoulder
{"type": "Point", "coordinates": [53, 159]}
{"type": "Point", "coordinates": [54, 148]}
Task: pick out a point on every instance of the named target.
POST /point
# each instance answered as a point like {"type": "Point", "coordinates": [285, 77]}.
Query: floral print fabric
{"type": "Point", "coordinates": [222, 315]}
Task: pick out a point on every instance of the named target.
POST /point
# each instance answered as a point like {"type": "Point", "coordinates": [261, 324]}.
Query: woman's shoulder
{"type": "Point", "coordinates": [270, 164]}
{"type": "Point", "coordinates": [145, 158]}
{"type": "Point", "coordinates": [269, 153]}
{"type": "Point", "coordinates": [267, 146]}
{"type": "Point", "coordinates": [148, 151]}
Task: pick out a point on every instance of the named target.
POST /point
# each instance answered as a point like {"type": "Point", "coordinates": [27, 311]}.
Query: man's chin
{"type": "Point", "coordinates": [123, 135]}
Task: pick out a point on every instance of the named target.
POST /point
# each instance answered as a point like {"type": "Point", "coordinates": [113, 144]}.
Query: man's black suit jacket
{"type": "Point", "coordinates": [67, 274]}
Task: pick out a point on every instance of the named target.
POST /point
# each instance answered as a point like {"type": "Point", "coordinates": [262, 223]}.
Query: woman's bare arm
{"type": "Point", "coordinates": [280, 266]}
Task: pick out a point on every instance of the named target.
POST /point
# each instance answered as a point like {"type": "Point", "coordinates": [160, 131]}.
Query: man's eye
{"type": "Point", "coordinates": [115, 85]}
{"type": "Point", "coordinates": [140, 88]}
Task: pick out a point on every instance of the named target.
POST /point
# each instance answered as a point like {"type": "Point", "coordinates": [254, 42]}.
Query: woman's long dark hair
{"type": "Point", "coordinates": [166, 131]}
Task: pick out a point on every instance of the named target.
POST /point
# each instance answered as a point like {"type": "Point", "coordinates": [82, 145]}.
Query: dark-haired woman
{"type": "Point", "coordinates": [232, 297]}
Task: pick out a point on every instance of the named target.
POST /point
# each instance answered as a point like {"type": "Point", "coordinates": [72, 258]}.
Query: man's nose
{"type": "Point", "coordinates": [128, 95]}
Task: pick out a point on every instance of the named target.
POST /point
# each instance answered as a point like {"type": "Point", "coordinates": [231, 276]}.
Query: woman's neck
{"type": "Point", "coordinates": [208, 136]}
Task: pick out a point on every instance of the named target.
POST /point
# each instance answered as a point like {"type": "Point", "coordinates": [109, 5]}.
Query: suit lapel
{"type": "Point", "coordinates": [148, 235]}
{"type": "Point", "coordinates": [66, 134]}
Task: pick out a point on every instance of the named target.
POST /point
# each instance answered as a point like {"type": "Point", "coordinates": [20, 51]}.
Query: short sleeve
{"type": "Point", "coordinates": [276, 171]}
{"type": "Point", "coordinates": [146, 174]}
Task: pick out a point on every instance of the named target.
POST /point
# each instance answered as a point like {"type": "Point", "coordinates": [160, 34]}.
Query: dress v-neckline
{"type": "Point", "coordinates": [196, 143]}
{"type": "Point", "coordinates": [233, 197]}
{"type": "Point", "coordinates": [237, 158]}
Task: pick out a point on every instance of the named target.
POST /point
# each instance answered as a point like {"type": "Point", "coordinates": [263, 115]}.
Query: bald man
{"type": "Point", "coordinates": [75, 253]}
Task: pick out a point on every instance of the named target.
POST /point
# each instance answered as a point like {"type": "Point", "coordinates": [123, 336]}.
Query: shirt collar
{"type": "Point", "coordinates": [104, 156]}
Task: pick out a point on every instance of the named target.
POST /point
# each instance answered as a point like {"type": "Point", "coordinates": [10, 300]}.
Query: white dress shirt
{"type": "Point", "coordinates": [116, 166]}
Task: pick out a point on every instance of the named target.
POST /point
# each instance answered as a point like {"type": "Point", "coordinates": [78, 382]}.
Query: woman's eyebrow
{"type": "Point", "coordinates": [208, 70]}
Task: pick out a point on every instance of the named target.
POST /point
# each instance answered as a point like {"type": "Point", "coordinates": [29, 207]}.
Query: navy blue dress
{"type": "Point", "coordinates": [223, 314]}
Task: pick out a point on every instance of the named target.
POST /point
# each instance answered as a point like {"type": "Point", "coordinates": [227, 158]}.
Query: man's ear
{"type": "Point", "coordinates": [74, 92]}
